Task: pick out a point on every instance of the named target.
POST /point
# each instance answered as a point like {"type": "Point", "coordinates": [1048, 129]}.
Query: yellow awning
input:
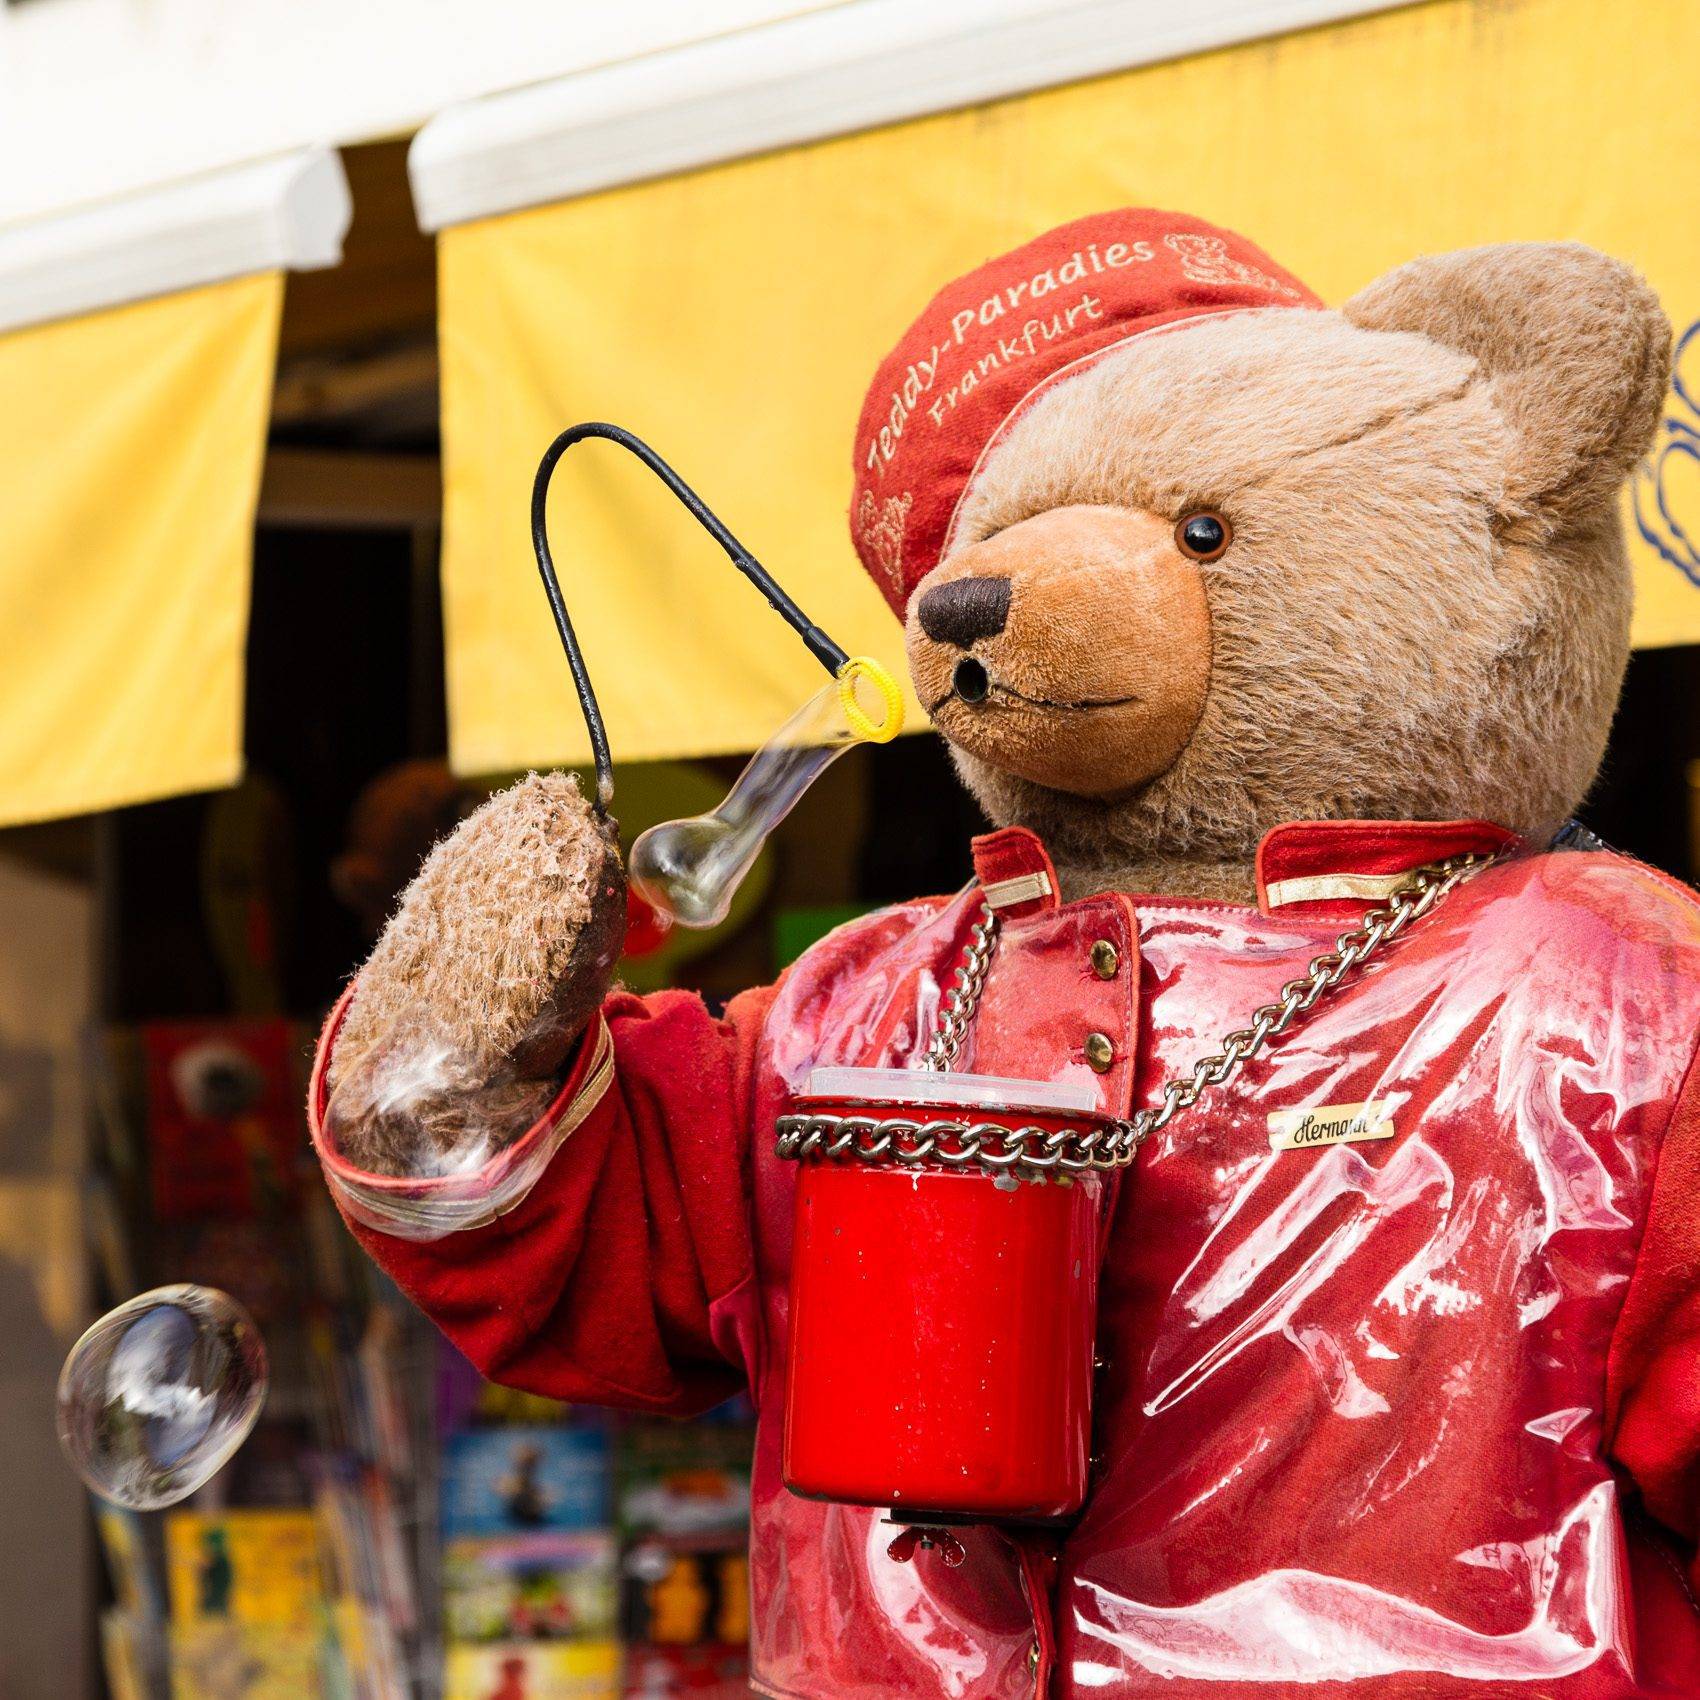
{"type": "Point", "coordinates": [131, 442]}
{"type": "Point", "coordinates": [733, 316]}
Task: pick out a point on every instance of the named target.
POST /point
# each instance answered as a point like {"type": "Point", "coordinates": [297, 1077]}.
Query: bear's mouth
{"type": "Point", "coordinates": [972, 684]}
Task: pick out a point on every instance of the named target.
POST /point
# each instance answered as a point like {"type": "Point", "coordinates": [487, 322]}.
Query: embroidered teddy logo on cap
{"type": "Point", "coordinates": [880, 526]}
{"type": "Point", "coordinates": [1205, 259]}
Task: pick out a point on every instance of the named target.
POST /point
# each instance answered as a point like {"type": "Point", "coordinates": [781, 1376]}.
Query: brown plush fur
{"type": "Point", "coordinates": [1424, 611]}
{"type": "Point", "coordinates": [1423, 614]}
{"type": "Point", "coordinates": [500, 949]}
{"type": "Point", "coordinates": [1089, 587]}
{"type": "Point", "coordinates": [1575, 349]}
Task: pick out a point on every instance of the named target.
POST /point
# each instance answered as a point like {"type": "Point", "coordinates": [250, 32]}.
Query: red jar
{"type": "Point", "coordinates": [941, 1317]}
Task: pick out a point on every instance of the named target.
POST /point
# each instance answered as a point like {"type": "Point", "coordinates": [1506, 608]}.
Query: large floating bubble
{"type": "Point", "coordinates": [159, 1393]}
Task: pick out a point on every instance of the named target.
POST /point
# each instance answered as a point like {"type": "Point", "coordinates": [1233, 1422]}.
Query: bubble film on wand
{"type": "Point", "coordinates": [688, 870]}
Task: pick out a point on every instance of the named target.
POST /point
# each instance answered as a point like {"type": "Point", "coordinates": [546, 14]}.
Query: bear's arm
{"type": "Point", "coordinates": [1653, 1373]}
{"type": "Point", "coordinates": [597, 1285]}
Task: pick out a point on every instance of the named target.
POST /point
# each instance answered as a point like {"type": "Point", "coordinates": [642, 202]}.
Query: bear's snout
{"type": "Point", "coordinates": [1072, 649]}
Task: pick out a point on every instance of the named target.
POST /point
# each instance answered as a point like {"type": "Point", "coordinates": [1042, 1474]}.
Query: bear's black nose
{"type": "Point", "coordinates": [965, 610]}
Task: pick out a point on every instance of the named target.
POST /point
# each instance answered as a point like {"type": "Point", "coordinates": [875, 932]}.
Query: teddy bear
{"type": "Point", "coordinates": [1245, 619]}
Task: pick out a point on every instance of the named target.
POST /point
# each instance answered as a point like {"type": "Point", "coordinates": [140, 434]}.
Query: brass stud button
{"type": "Point", "coordinates": [1106, 959]}
{"type": "Point", "coordinates": [1100, 1053]}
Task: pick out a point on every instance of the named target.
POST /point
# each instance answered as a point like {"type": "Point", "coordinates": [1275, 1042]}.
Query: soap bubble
{"type": "Point", "coordinates": [159, 1393]}
{"type": "Point", "coordinates": [689, 870]}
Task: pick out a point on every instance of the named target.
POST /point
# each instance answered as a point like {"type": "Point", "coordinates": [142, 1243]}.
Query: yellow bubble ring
{"type": "Point", "coordinates": [865, 667]}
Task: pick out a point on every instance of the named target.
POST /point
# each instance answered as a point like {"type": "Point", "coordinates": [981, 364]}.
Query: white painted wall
{"type": "Point", "coordinates": [101, 97]}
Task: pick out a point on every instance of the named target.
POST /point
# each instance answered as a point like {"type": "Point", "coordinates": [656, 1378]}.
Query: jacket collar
{"type": "Point", "coordinates": [1333, 868]}
{"type": "Point", "coordinates": [1321, 869]}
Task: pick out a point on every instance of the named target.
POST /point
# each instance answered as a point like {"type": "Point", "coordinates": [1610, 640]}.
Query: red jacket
{"type": "Point", "coordinates": [1418, 1417]}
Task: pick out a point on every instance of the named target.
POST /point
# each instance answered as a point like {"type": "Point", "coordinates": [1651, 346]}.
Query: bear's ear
{"type": "Point", "coordinates": [1574, 344]}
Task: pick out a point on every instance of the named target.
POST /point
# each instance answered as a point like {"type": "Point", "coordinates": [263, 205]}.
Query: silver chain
{"type": "Point", "coordinates": [1113, 1145]}
{"type": "Point", "coordinates": [957, 1011]}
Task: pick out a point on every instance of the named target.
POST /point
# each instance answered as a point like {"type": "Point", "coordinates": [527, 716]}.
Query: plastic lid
{"type": "Point", "coordinates": [925, 1086]}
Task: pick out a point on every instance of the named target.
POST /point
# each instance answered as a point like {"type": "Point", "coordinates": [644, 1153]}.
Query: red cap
{"type": "Point", "coordinates": [987, 345]}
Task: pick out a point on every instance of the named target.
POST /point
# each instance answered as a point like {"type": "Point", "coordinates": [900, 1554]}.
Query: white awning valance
{"type": "Point", "coordinates": [288, 213]}
{"type": "Point", "coordinates": [830, 72]}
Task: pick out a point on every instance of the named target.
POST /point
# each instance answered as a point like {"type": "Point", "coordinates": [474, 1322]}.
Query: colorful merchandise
{"type": "Point", "coordinates": [239, 1661]}
{"type": "Point", "coordinates": [673, 1479]}
{"type": "Point", "coordinates": [223, 1122]}
{"type": "Point", "coordinates": [532, 1587]}
{"type": "Point", "coordinates": [132, 1562]}
{"type": "Point", "coordinates": [687, 1673]}
{"type": "Point", "coordinates": [246, 1604]}
{"type": "Point", "coordinates": [132, 1655]}
{"type": "Point", "coordinates": [684, 1591]}
{"type": "Point", "coordinates": [256, 1567]}
{"type": "Point", "coordinates": [524, 1477]}
{"type": "Point", "coordinates": [581, 1670]}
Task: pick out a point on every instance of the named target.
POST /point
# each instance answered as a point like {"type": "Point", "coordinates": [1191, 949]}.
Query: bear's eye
{"type": "Point", "coordinates": [1203, 536]}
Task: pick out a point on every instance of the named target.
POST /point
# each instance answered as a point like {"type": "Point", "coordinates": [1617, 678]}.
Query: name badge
{"type": "Point", "coordinates": [1330, 1124]}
